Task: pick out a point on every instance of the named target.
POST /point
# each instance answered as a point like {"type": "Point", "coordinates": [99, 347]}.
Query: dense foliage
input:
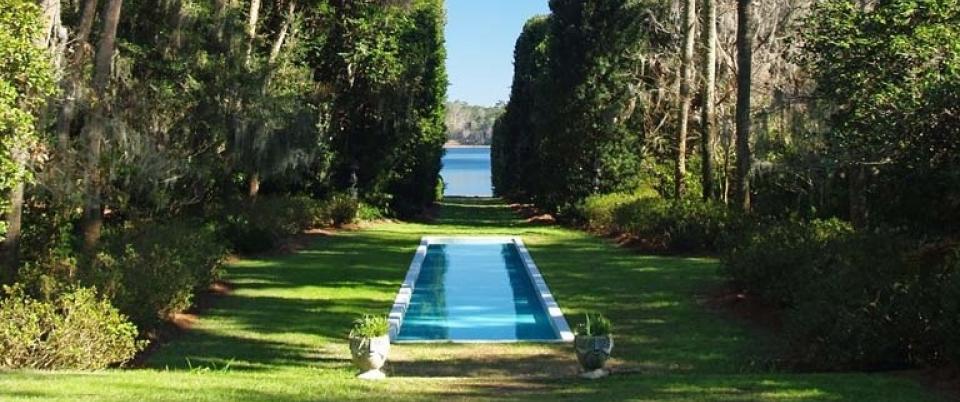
{"type": "Point", "coordinates": [891, 75]}
{"type": "Point", "coordinates": [655, 224]}
{"type": "Point", "coordinates": [142, 140]}
{"type": "Point", "coordinates": [76, 329]}
{"type": "Point", "coordinates": [851, 299]}
{"type": "Point", "coordinates": [153, 273]}
{"type": "Point", "coordinates": [567, 124]}
{"type": "Point", "coordinates": [184, 129]}
{"type": "Point", "coordinates": [848, 225]}
{"type": "Point", "coordinates": [386, 112]}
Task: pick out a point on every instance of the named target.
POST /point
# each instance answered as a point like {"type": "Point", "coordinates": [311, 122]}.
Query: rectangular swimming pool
{"type": "Point", "coordinates": [475, 289]}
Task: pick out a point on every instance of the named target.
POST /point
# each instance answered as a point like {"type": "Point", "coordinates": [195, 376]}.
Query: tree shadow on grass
{"type": "Point", "coordinates": [654, 303]}
{"type": "Point", "coordinates": [695, 388]}
{"type": "Point", "coordinates": [479, 213]}
{"type": "Point", "coordinates": [294, 310]}
{"type": "Point", "coordinates": [284, 306]}
{"type": "Point", "coordinates": [483, 360]}
{"type": "Point", "coordinates": [173, 386]}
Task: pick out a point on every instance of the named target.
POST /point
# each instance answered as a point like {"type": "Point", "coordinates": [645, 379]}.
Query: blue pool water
{"type": "Point", "coordinates": [475, 292]}
{"type": "Point", "coordinates": [466, 172]}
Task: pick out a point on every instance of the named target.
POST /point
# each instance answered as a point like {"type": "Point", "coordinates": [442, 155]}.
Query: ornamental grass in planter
{"type": "Point", "coordinates": [593, 343]}
{"type": "Point", "coordinates": [370, 345]}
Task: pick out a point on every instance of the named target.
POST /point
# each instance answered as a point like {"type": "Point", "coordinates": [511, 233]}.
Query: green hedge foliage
{"type": "Point", "coordinates": [850, 300]}
{"type": "Point", "coordinates": [153, 273]}
{"type": "Point", "coordinates": [659, 224]}
{"type": "Point", "coordinates": [75, 330]}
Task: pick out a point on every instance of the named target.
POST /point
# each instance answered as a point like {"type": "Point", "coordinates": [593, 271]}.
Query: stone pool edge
{"type": "Point", "coordinates": [405, 294]}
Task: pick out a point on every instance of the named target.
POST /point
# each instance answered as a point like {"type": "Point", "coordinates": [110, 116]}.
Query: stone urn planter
{"type": "Point", "coordinates": [593, 353]}
{"type": "Point", "coordinates": [370, 345]}
{"type": "Point", "coordinates": [593, 344]}
{"type": "Point", "coordinates": [369, 355]}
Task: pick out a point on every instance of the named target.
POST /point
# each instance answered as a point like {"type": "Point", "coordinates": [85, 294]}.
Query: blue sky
{"type": "Point", "coordinates": [480, 37]}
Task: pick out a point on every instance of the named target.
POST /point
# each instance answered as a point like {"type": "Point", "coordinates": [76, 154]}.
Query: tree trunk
{"type": "Point", "coordinates": [50, 40]}
{"type": "Point", "coordinates": [93, 211]}
{"type": "Point", "coordinates": [51, 23]}
{"type": "Point", "coordinates": [282, 36]}
{"type": "Point", "coordinates": [708, 115]}
{"type": "Point", "coordinates": [11, 245]}
{"type": "Point", "coordinates": [686, 84]}
{"type": "Point", "coordinates": [744, 82]}
{"type": "Point", "coordinates": [857, 179]}
{"type": "Point", "coordinates": [86, 22]}
{"type": "Point", "coordinates": [252, 17]}
{"type": "Point", "coordinates": [70, 84]}
{"type": "Point", "coordinates": [278, 45]}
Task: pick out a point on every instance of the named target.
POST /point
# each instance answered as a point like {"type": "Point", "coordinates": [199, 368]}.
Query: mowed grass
{"type": "Point", "coordinates": [280, 336]}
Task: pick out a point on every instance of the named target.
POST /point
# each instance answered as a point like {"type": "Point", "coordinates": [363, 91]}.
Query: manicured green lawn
{"type": "Point", "coordinates": [280, 334]}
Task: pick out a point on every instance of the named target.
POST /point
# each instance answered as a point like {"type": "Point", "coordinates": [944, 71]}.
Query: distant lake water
{"type": "Point", "coordinates": [466, 172]}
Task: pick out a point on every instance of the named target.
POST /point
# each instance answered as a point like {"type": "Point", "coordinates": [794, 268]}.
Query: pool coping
{"type": "Point", "coordinates": [405, 294]}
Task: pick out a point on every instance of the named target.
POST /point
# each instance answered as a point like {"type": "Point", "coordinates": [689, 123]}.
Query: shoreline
{"type": "Point", "coordinates": [448, 146]}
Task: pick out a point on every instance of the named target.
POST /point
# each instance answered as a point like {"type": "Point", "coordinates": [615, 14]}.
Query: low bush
{"type": "Point", "coordinates": [342, 209]}
{"type": "Point", "coordinates": [659, 224]}
{"type": "Point", "coordinates": [260, 225]}
{"type": "Point", "coordinates": [599, 212]}
{"type": "Point", "coordinates": [368, 212]}
{"type": "Point", "coordinates": [698, 226]}
{"type": "Point", "coordinates": [75, 330]}
{"type": "Point", "coordinates": [849, 300]}
{"type": "Point", "coordinates": [155, 272]}
{"type": "Point", "coordinates": [773, 259]}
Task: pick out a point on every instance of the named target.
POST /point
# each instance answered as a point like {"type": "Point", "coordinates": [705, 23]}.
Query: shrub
{"type": "Point", "coordinates": [76, 330]}
{"type": "Point", "coordinates": [858, 304]}
{"type": "Point", "coordinates": [342, 209]}
{"type": "Point", "coordinates": [599, 212]}
{"type": "Point", "coordinates": [772, 259]}
{"type": "Point", "coordinates": [659, 224]}
{"type": "Point", "coordinates": [370, 326]}
{"type": "Point", "coordinates": [594, 324]}
{"type": "Point", "coordinates": [260, 225]}
{"type": "Point", "coordinates": [154, 272]}
{"type": "Point", "coordinates": [850, 300]}
{"type": "Point", "coordinates": [696, 225]}
{"type": "Point", "coordinates": [368, 212]}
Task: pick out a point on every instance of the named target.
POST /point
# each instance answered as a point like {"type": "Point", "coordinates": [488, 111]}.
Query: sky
{"type": "Point", "coordinates": [480, 37]}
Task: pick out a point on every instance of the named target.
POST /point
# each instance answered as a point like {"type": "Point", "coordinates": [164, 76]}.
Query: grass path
{"type": "Point", "coordinates": [280, 335]}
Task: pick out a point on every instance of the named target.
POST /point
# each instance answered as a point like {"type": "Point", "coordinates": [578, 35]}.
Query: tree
{"type": "Point", "coordinates": [744, 92]}
{"type": "Point", "coordinates": [26, 80]}
{"type": "Point", "coordinates": [72, 81]}
{"type": "Point", "coordinates": [890, 76]}
{"type": "Point", "coordinates": [97, 125]}
{"type": "Point", "coordinates": [516, 138]}
{"type": "Point", "coordinates": [382, 65]}
{"type": "Point", "coordinates": [708, 114]}
{"type": "Point", "coordinates": [588, 100]}
{"type": "Point", "coordinates": [686, 84]}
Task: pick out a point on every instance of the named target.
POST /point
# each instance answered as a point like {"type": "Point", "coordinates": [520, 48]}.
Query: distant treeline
{"type": "Point", "coordinates": [471, 125]}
